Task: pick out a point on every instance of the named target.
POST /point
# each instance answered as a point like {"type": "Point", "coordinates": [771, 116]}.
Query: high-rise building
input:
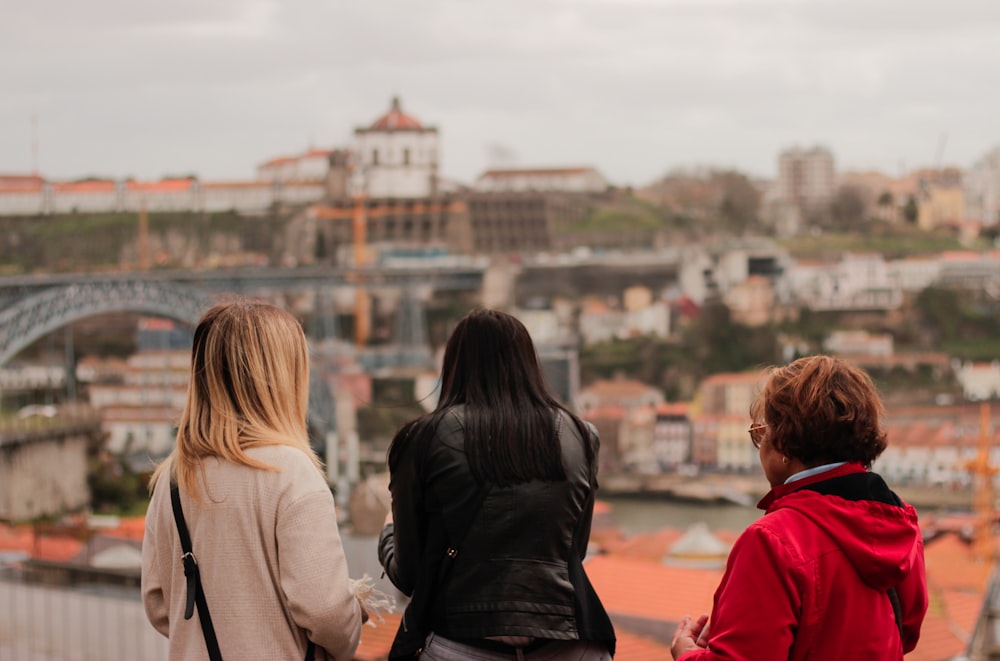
{"type": "Point", "coordinates": [982, 189]}
{"type": "Point", "coordinates": [806, 181]}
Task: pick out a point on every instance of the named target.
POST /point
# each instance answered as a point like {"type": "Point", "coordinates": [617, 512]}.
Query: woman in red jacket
{"type": "Point", "coordinates": [835, 568]}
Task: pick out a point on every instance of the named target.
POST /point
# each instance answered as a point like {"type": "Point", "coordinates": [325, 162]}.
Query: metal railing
{"type": "Point", "coordinates": [40, 622]}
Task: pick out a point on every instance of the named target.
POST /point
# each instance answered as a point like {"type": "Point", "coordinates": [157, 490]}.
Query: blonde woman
{"type": "Point", "coordinates": [260, 515]}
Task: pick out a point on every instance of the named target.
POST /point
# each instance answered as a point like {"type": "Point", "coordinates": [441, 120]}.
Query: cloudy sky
{"type": "Point", "coordinates": [634, 87]}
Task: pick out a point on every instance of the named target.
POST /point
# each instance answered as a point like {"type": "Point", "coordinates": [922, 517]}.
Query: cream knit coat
{"type": "Point", "coordinates": [272, 563]}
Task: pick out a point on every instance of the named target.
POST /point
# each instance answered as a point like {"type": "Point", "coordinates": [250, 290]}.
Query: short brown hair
{"type": "Point", "coordinates": [822, 410]}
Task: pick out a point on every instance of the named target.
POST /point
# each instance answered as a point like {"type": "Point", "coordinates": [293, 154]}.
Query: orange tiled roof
{"type": "Point", "coordinates": [673, 408]}
{"type": "Point", "coordinates": [632, 647]}
{"type": "Point", "coordinates": [396, 120]}
{"type": "Point", "coordinates": [94, 186]}
{"type": "Point", "coordinates": [650, 590]}
{"type": "Point", "coordinates": [617, 387]}
{"type": "Point", "coordinates": [733, 378]}
{"type": "Point", "coordinates": [377, 641]}
{"type": "Point", "coordinates": [164, 186]}
{"type": "Point", "coordinates": [517, 172]}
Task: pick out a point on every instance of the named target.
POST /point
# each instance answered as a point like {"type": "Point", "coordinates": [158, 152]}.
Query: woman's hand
{"type": "Point", "coordinates": [690, 635]}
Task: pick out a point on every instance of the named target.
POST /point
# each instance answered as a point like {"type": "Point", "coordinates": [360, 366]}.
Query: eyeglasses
{"type": "Point", "coordinates": [757, 434]}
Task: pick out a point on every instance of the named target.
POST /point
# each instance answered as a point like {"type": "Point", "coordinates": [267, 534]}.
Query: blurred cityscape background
{"type": "Point", "coordinates": [655, 309]}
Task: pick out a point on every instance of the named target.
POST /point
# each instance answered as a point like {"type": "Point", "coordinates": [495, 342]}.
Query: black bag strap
{"type": "Point", "coordinates": [409, 639]}
{"type": "Point", "coordinates": [195, 592]}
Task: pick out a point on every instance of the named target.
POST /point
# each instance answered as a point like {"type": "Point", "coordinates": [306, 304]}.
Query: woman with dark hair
{"type": "Point", "coordinates": [835, 568]}
{"type": "Point", "coordinates": [492, 500]}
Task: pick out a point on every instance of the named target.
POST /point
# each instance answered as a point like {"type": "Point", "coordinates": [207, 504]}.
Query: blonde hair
{"type": "Point", "coordinates": [249, 387]}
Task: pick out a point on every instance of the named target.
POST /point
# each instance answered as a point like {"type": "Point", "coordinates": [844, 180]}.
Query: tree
{"type": "Point", "coordinates": [739, 205]}
{"type": "Point", "coordinates": [910, 210]}
{"type": "Point", "coordinates": [849, 207]}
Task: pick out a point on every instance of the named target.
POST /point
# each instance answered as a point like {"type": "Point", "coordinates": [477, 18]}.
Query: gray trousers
{"type": "Point", "coordinates": [438, 648]}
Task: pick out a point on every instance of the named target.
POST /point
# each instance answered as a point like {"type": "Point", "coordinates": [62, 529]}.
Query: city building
{"type": "Point", "coordinates": [672, 435]}
{"type": "Point", "coordinates": [396, 157]}
{"type": "Point", "coordinates": [313, 165]}
{"type": "Point", "coordinates": [981, 184]}
{"type": "Point", "coordinates": [859, 343]}
{"type": "Point", "coordinates": [387, 191]}
{"type": "Point", "coordinates": [522, 180]}
{"type": "Point", "coordinates": [979, 381]}
{"type": "Point", "coordinates": [806, 182]}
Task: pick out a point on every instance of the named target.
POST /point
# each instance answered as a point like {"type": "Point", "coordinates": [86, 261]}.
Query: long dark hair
{"type": "Point", "coordinates": [490, 366]}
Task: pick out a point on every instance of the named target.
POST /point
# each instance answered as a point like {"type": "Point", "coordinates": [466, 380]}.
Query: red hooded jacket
{"type": "Point", "coordinates": [809, 580]}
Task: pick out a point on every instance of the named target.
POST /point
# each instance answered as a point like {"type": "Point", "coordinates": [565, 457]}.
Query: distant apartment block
{"type": "Point", "coordinates": [636, 441]}
{"type": "Point", "coordinates": [914, 274]}
{"type": "Point", "coordinates": [806, 181]}
{"type": "Point", "coordinates": [935, 446]}
{"type": "Point", "coordinates": [981, 185]}
{"type": "Point", "coordinates": [672, 435]}
{"type": "Point", "coordinates": [704, 276]}
{"type": "Point", "coordinates": [522, 221]}
{"type": "Point", "coordinates": [859, 343]}
{"type": "Point", "coordinates": [728, 393]}
{"type": "Point", "coordinates": [140, 399]}
{"type": "Point", "coordinates": [855, 282]}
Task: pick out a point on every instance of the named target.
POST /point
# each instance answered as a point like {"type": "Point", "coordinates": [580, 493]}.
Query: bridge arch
{"type": "Point", "coordinates": [35, 316]}
{"type": "Point", "coordinates": [38, 315]}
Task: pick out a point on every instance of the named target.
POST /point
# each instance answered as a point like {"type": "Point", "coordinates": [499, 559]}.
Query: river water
{"type": "Point", "coordinates": [636, 515]}
{"type": "Point", "coordinates": [639, 515]}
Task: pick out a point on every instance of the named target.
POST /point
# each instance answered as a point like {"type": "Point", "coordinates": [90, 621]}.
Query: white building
{"type": "Point", "coordinates": [562, 180]}
{"type": "Point", "coordinates": [914, 274]}
{"type": "Point", "coordinates": [396, 157]}
{"type": "Point", "coordinates": [140, 400]}
{"type": "Point", "coordinates": [859, 343]}
{"type": "Point", "coordinates": [672, 435]}
{"type": "Point", "coordinates": [169, 195]}
{"type": "Point", "coordinates": [979, 381]}
{"type": "Point", "coordinates": [934, 452]}
{"type": "Point", "coordinates": [312, 165]}
{"type": "Point", "coordinates": [856, 282]}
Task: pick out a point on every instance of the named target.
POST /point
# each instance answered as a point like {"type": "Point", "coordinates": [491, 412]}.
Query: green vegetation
{"type": "Point", "coordinates": [710, 344]}
{"type": "Point", "coordinates": [108, 241]}
{"type": "Point", "coordinates": [892, 241]}
{"type": "Point", "coordinates": [627, 215]}
{"type": "Point", "coordinates": [115, 488]}
{"type": "Point", "coordinates": [962, 323]}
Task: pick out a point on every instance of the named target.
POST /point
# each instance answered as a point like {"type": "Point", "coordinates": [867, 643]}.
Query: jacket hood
{"type": "Point", "coordinates": [877, 532]}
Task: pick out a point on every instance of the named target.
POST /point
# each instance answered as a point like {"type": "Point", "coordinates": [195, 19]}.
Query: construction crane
{"type": "Point", "coordinates": [983, 498]}
{"type": "Point", "coordinates": [362, 317]}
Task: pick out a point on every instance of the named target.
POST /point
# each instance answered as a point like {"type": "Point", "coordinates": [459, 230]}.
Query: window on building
{"type": "Point", "coordinates": [375, 157]}
{"type": "Point", "coordinates": [406, 157]}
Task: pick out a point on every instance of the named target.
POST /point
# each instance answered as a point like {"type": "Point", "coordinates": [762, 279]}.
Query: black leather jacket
{"type": "Point", "coordinates": [518, 569]}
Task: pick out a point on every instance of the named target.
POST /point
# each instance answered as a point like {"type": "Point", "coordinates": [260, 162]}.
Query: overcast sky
{"type": "Point", "coordinates": [633, 87]}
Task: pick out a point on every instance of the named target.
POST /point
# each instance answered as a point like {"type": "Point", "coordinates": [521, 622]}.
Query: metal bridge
{"type": "Point", "coordinates": [34, 306]}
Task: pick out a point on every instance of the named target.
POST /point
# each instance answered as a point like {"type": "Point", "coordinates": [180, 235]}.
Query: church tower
{"type": "Point", "coordinates": [396, 157]}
